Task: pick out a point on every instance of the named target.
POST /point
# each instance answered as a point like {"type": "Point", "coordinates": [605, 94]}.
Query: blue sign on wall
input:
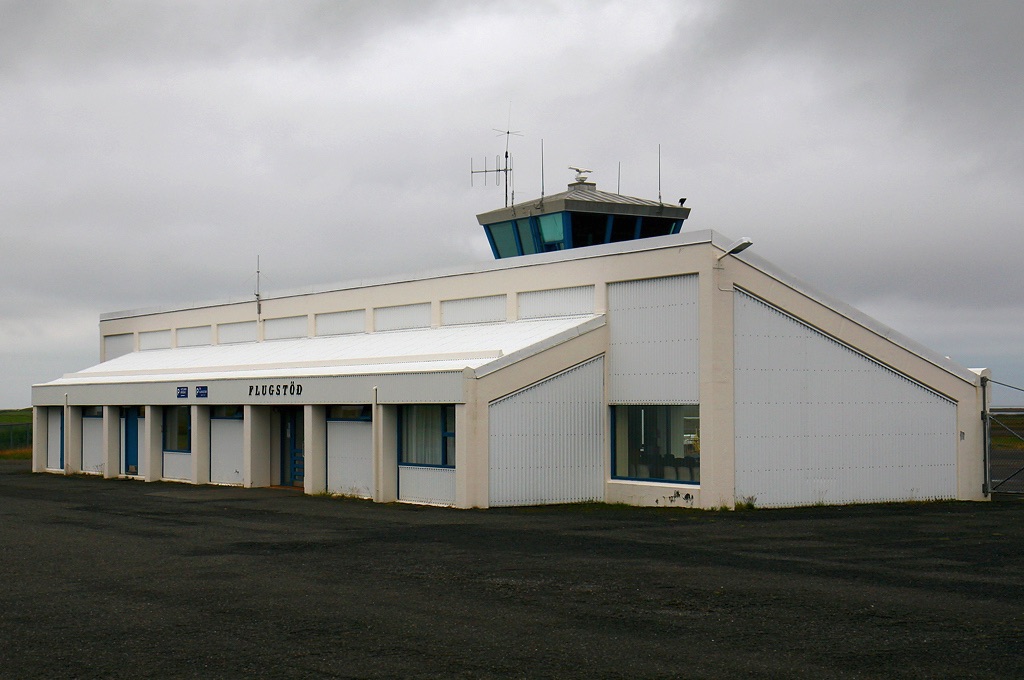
{"type": "Point", "coordinates": [182, 393]}
{"type": "Point", "coordinates": [201, 391]}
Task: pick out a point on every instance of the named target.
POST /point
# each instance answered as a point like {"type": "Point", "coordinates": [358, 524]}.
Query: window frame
{"type": "Point", "coordinates": [446, 440]}
{"type": "Point", "coordinates": [188, 429]}
{"type": "Point", "coordinates": [365, 414]}
{"type": "Point", "coordinates": [695, 443]}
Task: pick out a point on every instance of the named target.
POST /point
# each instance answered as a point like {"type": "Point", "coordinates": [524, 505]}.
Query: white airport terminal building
{"type": "Point", "coordinates": [605, 355]}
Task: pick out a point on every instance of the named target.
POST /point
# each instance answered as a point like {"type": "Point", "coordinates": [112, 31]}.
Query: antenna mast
{"type": "Point", "coordinates": [259, 303]}
{"type": "Point", "coordinates": [659, 173]}
{"type": "Point", "coordinates": [542, 171]}
{"type": "Point", "coordinates": [499, 168]}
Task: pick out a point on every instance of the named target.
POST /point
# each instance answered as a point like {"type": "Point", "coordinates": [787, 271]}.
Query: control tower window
{"type": "Point", "coordinates": [588, 229]}
{"type": "Point", "coordinates": [503, 239]}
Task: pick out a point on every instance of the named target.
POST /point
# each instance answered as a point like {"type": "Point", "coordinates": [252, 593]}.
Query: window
{"type": "Point", "coordinates": [227, 412]}
{"type": "Point", "coordinates": [503, 238]}
{"type": "Point", "coordinates": [92, 411]}
{"type": "Point", "coordinates": [526, 242]}
{"type": "Point", "coordinates": [588, 229]}
{"type": "Point", "coordinates": [658, 226]}
{"type": "Point", "coordinates": [426, 435]}
{"type": "Point", "coordinates": [623, 228]}
{"type": "Point", "coordinates": [552, 231]}
{"type": "Point", "coordinates": [178, 428]}
{"type": "Point", "coordinates": [350, 412]}
{"type": "Point", "coordinates": [656, 442]}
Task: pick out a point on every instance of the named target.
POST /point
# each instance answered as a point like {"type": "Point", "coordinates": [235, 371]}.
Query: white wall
{"type": "Point", "coordinates": [350, 458]}
{"type": "Point", "coordinates": [54, 437]}
{"type": "Point", "coordinates": [556, 302]}
{"type": "Point", "coordinates": [227, 450]}
{"type": "Point", "coordinates": [435, 486]}
{"type": "Point", "coordinates": [177, 466]}
{"type": "Point", "coordinates": [817, 422]}
{"type": "Point", "coordinates": [473, 310]}
{"type": "Point", "coordinates": [402, 316]}
{"type": "Point", "coordinates": [286, 327]}
{"type": "Point", "coordinates": [547, 441]}
{"type": "Point", "coordinates": [92, 445]}
{"type": "Point", "coordinates": [654, 353]}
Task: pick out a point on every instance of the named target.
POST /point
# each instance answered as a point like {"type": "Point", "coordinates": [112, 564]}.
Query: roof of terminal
{"type": "Point", "coordinates": [481, 347]}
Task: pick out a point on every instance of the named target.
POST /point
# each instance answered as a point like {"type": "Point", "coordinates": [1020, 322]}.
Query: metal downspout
{"type": "Point", "coordinates": [986, 486]}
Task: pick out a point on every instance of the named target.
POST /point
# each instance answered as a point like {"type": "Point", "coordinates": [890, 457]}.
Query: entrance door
{"type": "Point", "coordinates": [292, 446]}
{"type": "Point", "coordinates": [131, 440]}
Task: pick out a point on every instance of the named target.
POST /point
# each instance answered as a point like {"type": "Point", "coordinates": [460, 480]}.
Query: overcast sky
{"type": "Point", "coordinates": [152, 150]}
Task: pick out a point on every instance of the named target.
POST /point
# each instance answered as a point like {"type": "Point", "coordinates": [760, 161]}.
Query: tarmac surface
{"type": "Point", "coordinates": [124, 579]}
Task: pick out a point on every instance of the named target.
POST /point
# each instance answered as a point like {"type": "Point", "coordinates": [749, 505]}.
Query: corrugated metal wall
{"type": "Point", "coordinates": [402, 316]}
{"type": "Point", "coordinates": [556, 302]}
{"type": "Point", "coordinates": [155, 340]}
{"type": "Point", "coordinates": [92, 445]}
{"type": "Point", "coordinates": [241, 331]}
{"type": "Point", "coordinates": [350, 458]}
{"type": "Point", "coordinates": [817, 422]}
{"type": "Point", "coordinates": [54, 439]}
{"type": "Point", "coordinates": [196, 336]}
{"type": "Point", "coordinates": [286, 327]}
{"type": "Point", "coordinates": [473, 310]}
{"type": "Point", "coordinates": [118, 345]}
{"type": "Point", "coordinates": [227, 450]}
{"type": "Point", "coordinates": [547, 441]}
{"type": "Point", "coordinates": [654, 353]}
{"type": "Point", "coordinates": [432, 485]}
{"type": "Point", "coordinates": [341, 323]}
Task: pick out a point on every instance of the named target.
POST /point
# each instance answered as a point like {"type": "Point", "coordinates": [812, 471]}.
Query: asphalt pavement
{"type": "Point", "coordinates": [126, 579]}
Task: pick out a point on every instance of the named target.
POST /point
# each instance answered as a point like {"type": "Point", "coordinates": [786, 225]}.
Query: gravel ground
{"type": "Point", "coordinates": [123, 579]}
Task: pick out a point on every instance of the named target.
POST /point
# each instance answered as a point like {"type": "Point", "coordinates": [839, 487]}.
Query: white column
{"type": "Point", "coordinates": [153, 444]}
{"type": "Point", "coordinates": [40, 443]}
{"type": "Point", "coordinates": [200, 444]}
{"type": "Point", "coordinates": [385, 453]}
{"type": "Point", "coordinates": [256, 444]}
{"type": "Point", "coordinates": [72, 439]}
{"type": "Point", "coordinates": [111, 441]}
{"type": "Point", "coordinates": [314, 464]}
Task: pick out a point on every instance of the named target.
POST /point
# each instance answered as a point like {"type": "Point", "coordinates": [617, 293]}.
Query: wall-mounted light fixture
{"type": "Point", "coordinates": [737, 247]}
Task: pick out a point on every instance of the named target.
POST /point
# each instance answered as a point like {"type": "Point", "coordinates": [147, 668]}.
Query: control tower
{"type": "Point", "coordinates": [579, 217]}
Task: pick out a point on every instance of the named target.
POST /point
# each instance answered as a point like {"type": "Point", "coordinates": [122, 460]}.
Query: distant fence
{"type": "Point", "coordinates": [15, 436]}
{"type": "Point", "coordinates": [1006, 433]}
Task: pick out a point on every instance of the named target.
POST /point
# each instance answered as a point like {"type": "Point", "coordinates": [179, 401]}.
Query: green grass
{"type": "Point", "coordinates": [21, 415]}
{"type": "Point", "coordinates": [16, 454]}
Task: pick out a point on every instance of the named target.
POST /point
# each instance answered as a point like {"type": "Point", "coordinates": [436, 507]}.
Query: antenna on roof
{"type": "Point", "coordinates": [259, 303]}
{"type": "Point", "coordinates": [618, 182]}
{"type": "Point", "coordinates": [542, 172]}
{"type": "Point", "coordinates": [659, 173]}
{"type": "Point", "coordinates": [499, 168]}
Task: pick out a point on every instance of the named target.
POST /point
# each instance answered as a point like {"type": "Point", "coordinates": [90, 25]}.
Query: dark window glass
{"type": "Point", "coordinates": [235, 412]}
{"type": "Point", "coordinates": [588, 229]}
{"type": "Point", "coordinates": [657, 442]}
{"type": "Point", "coordinates": [623, 228]}
{"type": "Point", "coordinates": [92, 411]}
{"type": "Point", "coordinates": [656, 226]}
{"type": "Point", "coordinates": [350, 412]}
{"type": "Point", "coordinates": [177, 428]}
